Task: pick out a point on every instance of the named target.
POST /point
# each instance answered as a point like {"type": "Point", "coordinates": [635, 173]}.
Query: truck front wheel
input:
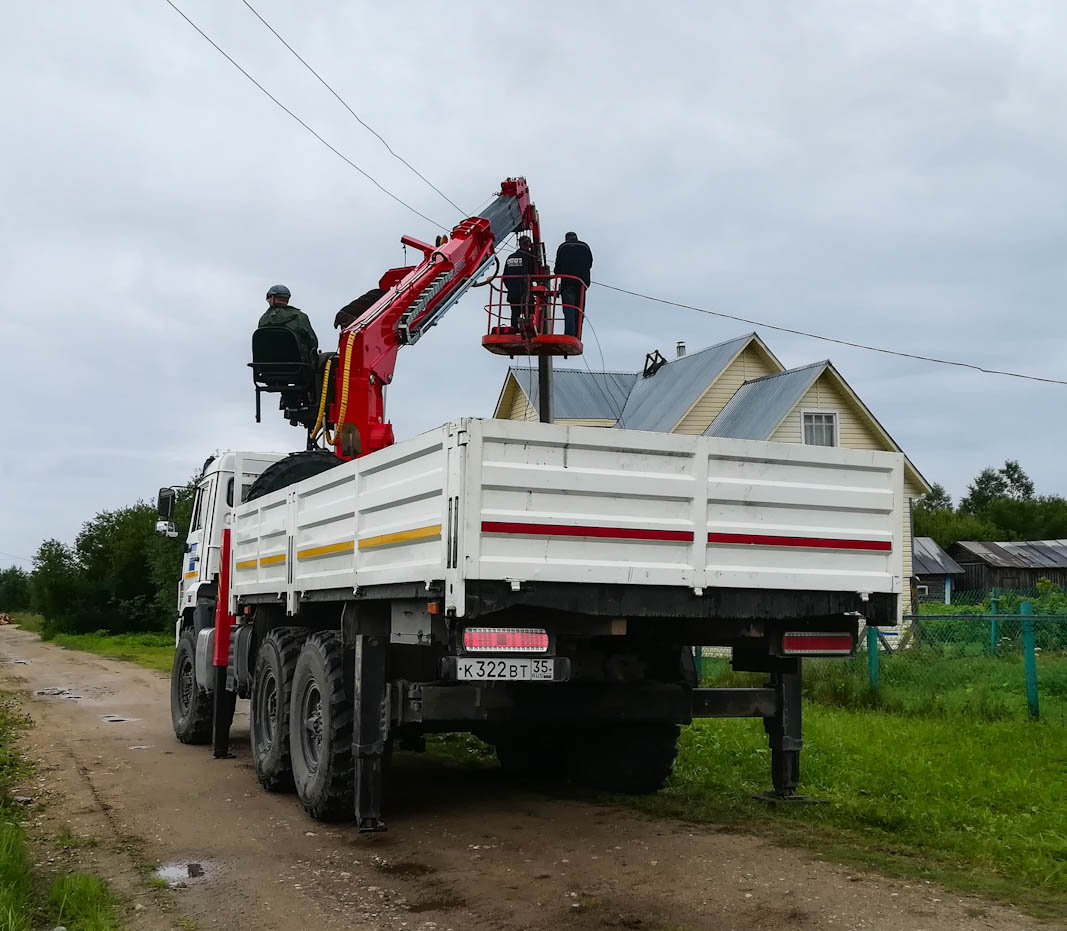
{"type": "Point", "coordinates": [272, 685]}
{"type": "Point", "coordinates": [190, 705]}
{"type": "Point", "coordinates": [320, 738]}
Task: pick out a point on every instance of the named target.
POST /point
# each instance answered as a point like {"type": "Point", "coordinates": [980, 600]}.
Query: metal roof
{"type": "Point", "coordinates": [761, 404]}
{"type": "Point", "coordinates": [660, 402]}
{"type": "Point", "coordinates": [1022, 554]}
{"type": "Point", "coordinates": [927, 558]}
{"type": "Point", "coordinates": [578, 395]}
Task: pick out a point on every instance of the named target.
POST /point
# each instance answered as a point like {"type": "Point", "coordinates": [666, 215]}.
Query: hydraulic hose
{"type": "Point", "coordinates": [320, 425]}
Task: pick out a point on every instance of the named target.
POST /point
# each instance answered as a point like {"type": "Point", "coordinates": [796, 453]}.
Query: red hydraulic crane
{"type": "Point", "coordinates": [416, 298]}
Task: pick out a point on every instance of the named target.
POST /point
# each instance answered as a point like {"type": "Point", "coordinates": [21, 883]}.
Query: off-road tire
{"type": "Point", "coordinates": [191, 708]}
{"type": "Point", "coordinates": [320, 738]}
{"type": "Point", "coordinates": [636, 759]}
{"type": "Point", "coordinates": [293, 468]}
{"type": "Point", "coordinates": [272, 686]}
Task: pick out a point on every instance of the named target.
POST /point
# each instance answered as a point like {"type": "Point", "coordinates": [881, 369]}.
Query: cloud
{"type": "Point", "coordinates": [888, 174]}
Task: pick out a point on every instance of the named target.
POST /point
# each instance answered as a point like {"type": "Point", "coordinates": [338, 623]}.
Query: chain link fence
{"type": "Point", "coordinates": [1002, 658]}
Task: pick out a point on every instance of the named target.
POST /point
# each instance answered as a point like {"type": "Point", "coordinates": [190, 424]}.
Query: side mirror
{"type": "Point", "coordinates": [166, 528]}
{"type": "Point", "coordinates": [165, 503]}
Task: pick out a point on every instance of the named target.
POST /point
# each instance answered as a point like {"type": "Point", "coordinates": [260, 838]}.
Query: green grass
{"type": "Point", "coordinates": [977, 805]}
{"type": "Point", "coordinates": [16, 892]}
{"type": "Point", "coordinates": [151, 650]}
{"type": "Point", "coordinates": [80, 902]}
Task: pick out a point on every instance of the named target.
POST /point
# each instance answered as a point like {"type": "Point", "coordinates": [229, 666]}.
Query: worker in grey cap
{"type": "Point", "coordinates": [281, 313]}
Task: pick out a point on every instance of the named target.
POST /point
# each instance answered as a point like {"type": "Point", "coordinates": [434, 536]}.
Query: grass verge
{"type": "Point", "coordinates": [152, 650]}
{"type": "Point", "coordinates": [76, 901]}
{"type": "Point", "coordinates": [975, 806]}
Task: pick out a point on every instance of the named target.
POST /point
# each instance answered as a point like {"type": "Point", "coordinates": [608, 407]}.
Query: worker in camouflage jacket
{"type": "Point", "coordinates": [281, 313]}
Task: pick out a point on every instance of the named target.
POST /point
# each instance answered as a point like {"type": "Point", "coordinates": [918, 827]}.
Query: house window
{"type": "Point", "coordinates": [820, 428]}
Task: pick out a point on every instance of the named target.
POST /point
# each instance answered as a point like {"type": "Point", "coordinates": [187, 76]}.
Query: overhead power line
{"type": "Point", "coordinates": [13, 556]}
{"type": "Point", "coordinates": [648, 297]}
{"type": "Point", "coordinates": [831, 339]}
{"type": "Point", "coordinates": [282, 106]}
{"type": "Point", "coordinates": [344, 103]}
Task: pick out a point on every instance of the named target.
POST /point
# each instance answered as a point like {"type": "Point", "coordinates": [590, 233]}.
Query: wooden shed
{"type": "Point", "coordinates": [1010, 566]}
{"type": "Point", "coordinates": [937, 575]}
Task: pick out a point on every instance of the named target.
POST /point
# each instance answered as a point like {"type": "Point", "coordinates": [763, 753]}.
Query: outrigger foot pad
{"type": "Point", "coordinates": [779, 798]}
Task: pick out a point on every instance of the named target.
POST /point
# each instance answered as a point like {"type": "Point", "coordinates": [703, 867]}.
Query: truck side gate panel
{"type": "Point", "coordinates": [324, 529]}
{"type": "Point", "coordinates": [260, 544]}
{"type": "Point", "coordinates": [586, 505]}
{"type": "Point", "coordinates": [400, 530]}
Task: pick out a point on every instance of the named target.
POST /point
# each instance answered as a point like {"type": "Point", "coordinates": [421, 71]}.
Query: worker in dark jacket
{"type": "Point", "coordinates": [281, 313]}
{"type": "Point", "coordinates": [574, 259]}
{"type": "Point", "coordinates": [351, 312]}
{"type": "Point", "coordinates": [517, 271]}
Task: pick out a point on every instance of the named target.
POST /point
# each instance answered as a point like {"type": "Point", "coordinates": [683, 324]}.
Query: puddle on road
{"type": "Point", "coordinates": [187, 872]}
{"type": "Point", "coordinates": [116, 719]}
{"type": "Point", "coordinates": [16, 661]}
{"type": "Point", "coordinates": [57, 692]}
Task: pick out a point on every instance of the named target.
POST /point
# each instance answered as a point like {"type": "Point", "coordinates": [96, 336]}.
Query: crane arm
{"type": "Point", "coordinates": [416, 298]}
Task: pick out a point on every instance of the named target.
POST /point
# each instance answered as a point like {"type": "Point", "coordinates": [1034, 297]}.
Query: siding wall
{"type": "Point", "coordinates": [853, 432]}
{"type": "Point", "coordinates": [520, 407]}
{"type": "Point", "coordinates": [751, 363]}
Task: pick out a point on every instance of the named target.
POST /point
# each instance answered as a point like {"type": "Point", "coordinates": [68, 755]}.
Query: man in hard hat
{"type": "Point", "coordinates": [517, 271]}
{"type": "Point", "coordinates": [281, 313]}
{"type": "Point", "coordinates": [574, 259]}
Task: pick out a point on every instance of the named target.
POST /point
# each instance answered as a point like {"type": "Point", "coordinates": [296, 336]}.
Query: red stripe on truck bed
{"type": "Point", "coordinates": [573, 530]}
{"type": "Point", "coordinates": [830, 543]}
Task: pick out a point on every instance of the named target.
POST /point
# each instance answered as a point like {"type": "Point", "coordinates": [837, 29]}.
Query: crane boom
{"type": "Point", "coordinates": [416, 297]}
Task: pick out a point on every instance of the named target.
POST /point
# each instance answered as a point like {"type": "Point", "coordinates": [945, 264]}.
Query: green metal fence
{"type": "Point", "coordinates": [989, 666]}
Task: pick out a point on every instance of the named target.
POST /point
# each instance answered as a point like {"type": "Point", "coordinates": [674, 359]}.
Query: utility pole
{"type": "Point", "coordinates": [544, 388]}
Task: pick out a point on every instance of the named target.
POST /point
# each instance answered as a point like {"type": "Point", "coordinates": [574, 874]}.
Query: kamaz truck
{"type": "Point", "coordinates": [538, 585]}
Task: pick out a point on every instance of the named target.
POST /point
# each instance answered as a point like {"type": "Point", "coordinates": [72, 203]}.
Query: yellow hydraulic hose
{"type": "Point", "coordinates": [346, 369]}
{"type": "Point", "coordinates": [320, 421]}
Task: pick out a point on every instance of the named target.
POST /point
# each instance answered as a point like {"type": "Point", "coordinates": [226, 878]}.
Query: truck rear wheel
{"type": "Point", "coordinates": [320, 737]}
{"type": "Point", "coordinates": [635, 759]}
{"type": "Point", "coordinates": [190, 706]}
{"type": "Point", "coordinates": [272, 685]}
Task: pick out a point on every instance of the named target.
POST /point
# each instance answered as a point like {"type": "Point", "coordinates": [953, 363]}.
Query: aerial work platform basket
{"type": "Point", "coordinates": [535, 322]}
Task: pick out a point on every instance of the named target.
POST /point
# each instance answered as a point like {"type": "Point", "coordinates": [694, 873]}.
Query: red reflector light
{"type": "Point", "coordinates": [505, 639]}
{"type": "Point", "coordinates": [812, 643]}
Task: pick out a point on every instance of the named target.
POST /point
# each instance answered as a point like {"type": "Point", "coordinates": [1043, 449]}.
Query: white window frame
{"type": "Point", "coordinates": [824, 412]}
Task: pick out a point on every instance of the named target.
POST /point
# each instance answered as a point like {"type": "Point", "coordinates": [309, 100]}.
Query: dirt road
{"type": "Point", "coordinates": [465, 850]}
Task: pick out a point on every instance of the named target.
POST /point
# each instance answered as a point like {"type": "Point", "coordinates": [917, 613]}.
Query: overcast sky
{"type": "Point", "coordinates": [889, 173]}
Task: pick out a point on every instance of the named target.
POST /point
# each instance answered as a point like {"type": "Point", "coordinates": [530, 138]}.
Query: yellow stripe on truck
{"type": "Point", "coordinates": [329, 549]}
{"type": "Point", "coordinates": [272, 560]}
{"type": "Point", "coordinates": [401, 536]}
{"type": "Point", "coordinates": [247, 564]}
{"type": "Point", "coordinates": [191, 575]}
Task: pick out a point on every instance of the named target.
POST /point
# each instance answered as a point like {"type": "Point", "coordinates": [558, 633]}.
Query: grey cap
{"type": "Point", "coordinates": [278, 290]}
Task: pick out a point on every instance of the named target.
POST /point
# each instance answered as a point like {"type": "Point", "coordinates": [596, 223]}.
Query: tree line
{"type": "Point", "coordinates": [1000, 504]}
{"type": "Point", "coordinates": [118, 575]}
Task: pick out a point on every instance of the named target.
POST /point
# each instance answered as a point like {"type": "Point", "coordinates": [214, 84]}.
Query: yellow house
{"type": "Point", "coordinates": [737, 388]}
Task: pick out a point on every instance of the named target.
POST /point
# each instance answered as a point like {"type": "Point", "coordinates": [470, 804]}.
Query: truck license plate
{"type": "Point", "coordinates": [505, 669]}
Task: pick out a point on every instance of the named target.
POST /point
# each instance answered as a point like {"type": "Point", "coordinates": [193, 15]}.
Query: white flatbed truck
{"type": "Point", "coordinates": [538, 585]}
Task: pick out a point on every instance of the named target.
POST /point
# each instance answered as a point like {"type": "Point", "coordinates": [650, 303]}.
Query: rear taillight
{"type": "Point", "coordinates": [505, 640]}
{"type": "Point", "coordinates": [816, 643]}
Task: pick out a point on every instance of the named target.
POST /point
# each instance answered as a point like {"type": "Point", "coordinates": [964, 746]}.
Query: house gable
{"type": "Point", "coordinates": [754, 360]}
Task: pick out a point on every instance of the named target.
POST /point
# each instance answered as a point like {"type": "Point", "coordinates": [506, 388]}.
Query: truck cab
{"type": "Point", "coordinates": [224, 484]}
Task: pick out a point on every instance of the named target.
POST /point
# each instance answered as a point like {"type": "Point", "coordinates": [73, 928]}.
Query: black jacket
{"type": "Point", "coordinates": [517, 271]}
{"type": "Point", "coordinates": [352, 311]}
{"type": "Point", "coordinates": [574, 258]}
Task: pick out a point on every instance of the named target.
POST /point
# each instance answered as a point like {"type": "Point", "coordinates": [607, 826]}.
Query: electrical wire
{"type": "Point", "coordinates": [344, 103]}
{"type": "Point", "coordinates": [282, 106]}
{"type": "Point", "coordinates": [831, 339]}
{"type": "Point", "coordinates": [603, 389]}
{"type": "Point", "coordinates": [648, 297]}
{"type": "Point", "coordinates": [20, 558]}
